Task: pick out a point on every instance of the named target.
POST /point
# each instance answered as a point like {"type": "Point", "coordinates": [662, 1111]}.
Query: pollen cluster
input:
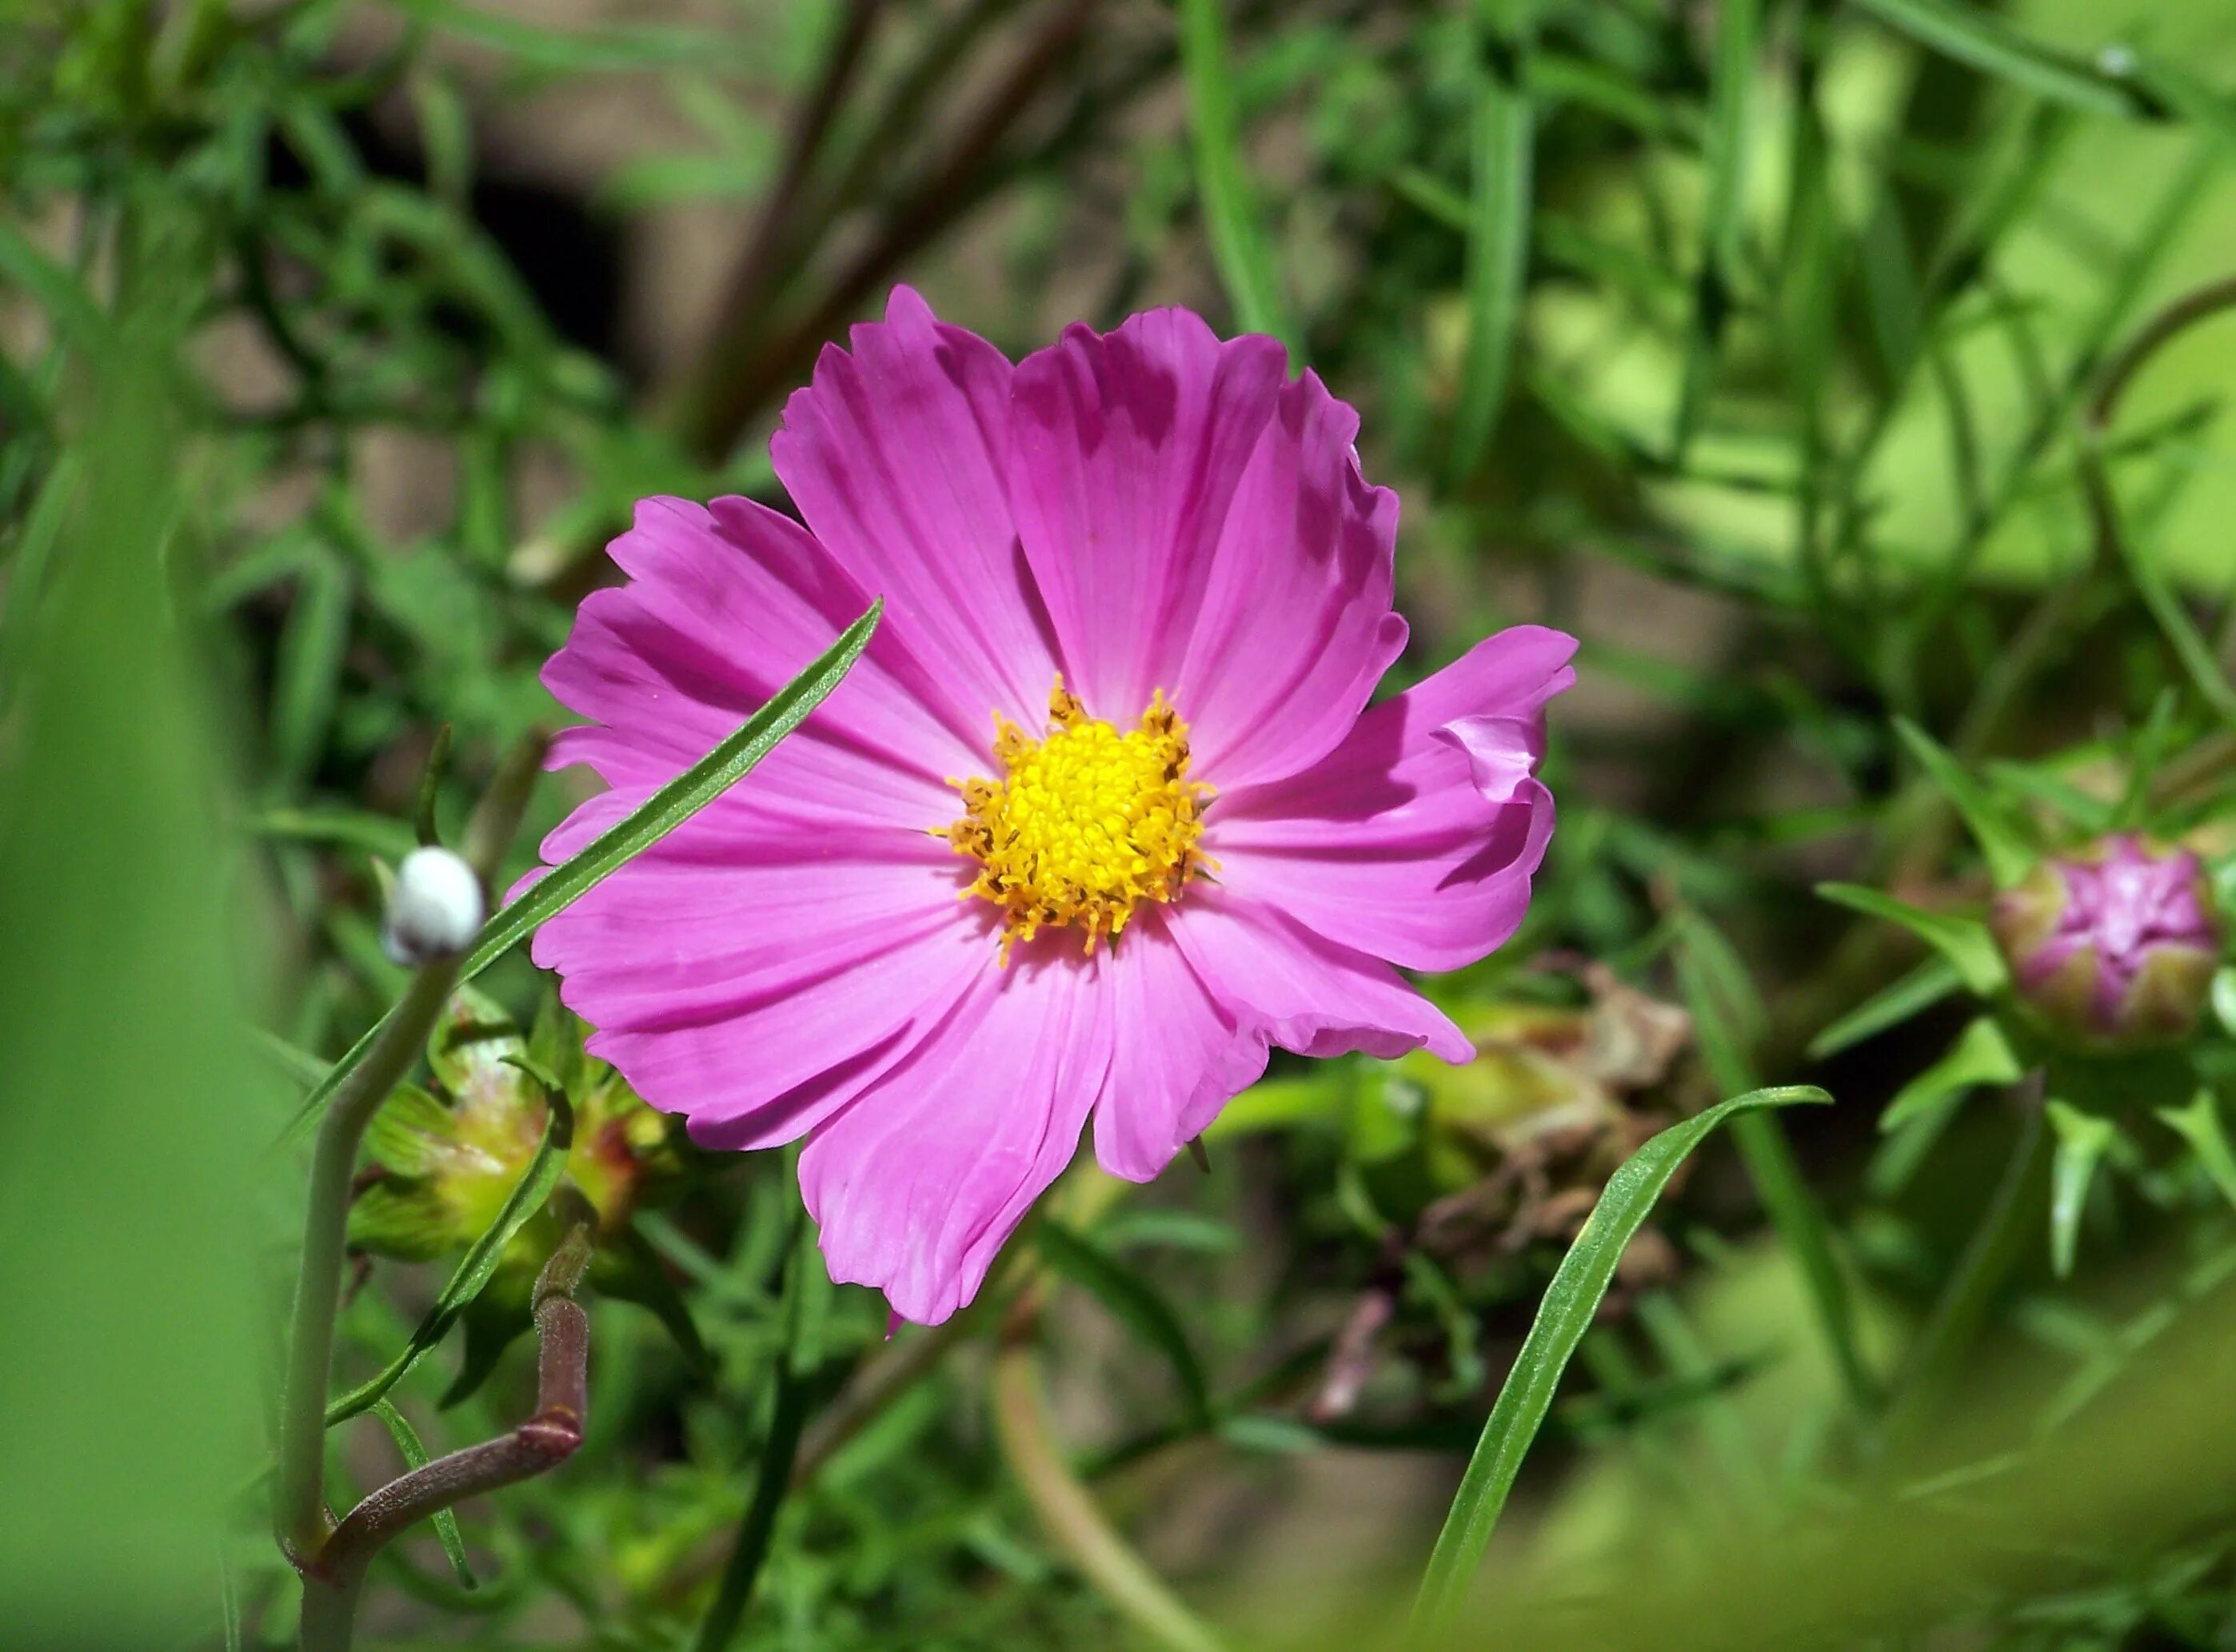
{"type": "Point", "coordinates": [1085, 823]}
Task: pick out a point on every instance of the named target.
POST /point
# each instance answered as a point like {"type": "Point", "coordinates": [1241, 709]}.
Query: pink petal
{"type": "Point", "coordinates": [894, 455]}
{"type": "Point", "coordinates": [1126, 450]}
{"type": "Point", "coordinates": [1296, 627]}
{"type": "Point", "coordinates": [725, 607]}
{"type": "Point", "coordinates": [1306, 993]}
{"type": "Point", "coordinates": [721, 977]}
{"type": "Point", "coordinates": [1415, 839]}
{"type": "Point", "coordinates": [1178, 1055]}
{"type": "Point", "coordinates": [918, 1184]}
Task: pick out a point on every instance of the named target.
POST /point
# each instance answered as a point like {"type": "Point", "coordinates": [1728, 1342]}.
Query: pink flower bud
{"type": "Point", "coordinates": [2116, 945]}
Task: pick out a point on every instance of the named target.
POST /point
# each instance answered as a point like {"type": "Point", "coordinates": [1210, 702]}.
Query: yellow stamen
{"type": "Point", "coordinates": [1086, 822]}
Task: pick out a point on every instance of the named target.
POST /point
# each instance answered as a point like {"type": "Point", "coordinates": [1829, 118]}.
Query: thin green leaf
{"type": "Point", "coordinates": [1497, 257]}
{"type": "Point", "coordinates": [1976, 36]}
{"type": "Point", "coordinates": [446, 1520]}
{"type": "Point", "coordinates": [430, 786]}
{"type": "Point", "coordinates": [659, 814]}
{"type": "Point", "coordinates": [481, 1260]}
{"type": "Point", "coordinates": [2189, 645]}
{"type": "Point", "coordinates": [1238, 246]}
{"type": "Point", "coordinates": [1565, 1314]}
{"type": "Point", "coordinates": [1891, 1006]}
{"type": "Point", "coordinates": [1134, 1299]}
{"type": "Point", "coordinates": [636, 1273]}
{"type": "Point", "coordinates": [54, 289]}
{"type": "Point", "coordinates": [1981, 1056]}
{"type": "Point", "coordinates": [27, 567]}
{"type": "Point", "coordinates": [1731, 104]}
{"type": "Point", "coordinates": [2009, 857]}
{"type": "Point", "coordinates": [1962, 941]}
{"type": "Point", "coordinates": [309, 667]}
{"type": "Point", "coordinates": [1728, 1015]}
{"type": "Point", "coordinates": [2081, 1140]}
{"type": "Point", "coordinates": [2199, 1124]}
{"type": "Point", "coordinates": [2189, 97]}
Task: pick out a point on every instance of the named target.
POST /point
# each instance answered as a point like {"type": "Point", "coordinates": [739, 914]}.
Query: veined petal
{"type": "Point", "coordinates": [1178, 1053]}
{"type": "Point", "coordinates": [895, 455]}
{"type": "Point", "coordinates": [725, 606]}
{"type": "Point", "coordinates": [1125, 450]}
{"type": "Point", "coordinates": [1306, 992]}
{"type": "Point", "coordinates": [918, 1186]}
{"type": "Point", "coordinates": [1296, 627]}
{"type": "Point", "coordinates": [718, 988]}
{"type": "Point", "coordinates": [1415, 839]}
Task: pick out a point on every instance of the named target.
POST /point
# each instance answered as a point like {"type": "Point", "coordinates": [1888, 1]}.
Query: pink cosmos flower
{"type": "Point", "coordinates": [1100, 816]}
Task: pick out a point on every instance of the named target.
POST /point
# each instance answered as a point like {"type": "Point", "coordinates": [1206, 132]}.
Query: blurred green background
{"type": "Point", "coordinates": [1756, 341]}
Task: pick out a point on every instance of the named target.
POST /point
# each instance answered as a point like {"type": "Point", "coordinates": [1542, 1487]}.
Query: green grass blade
{"type": "Point", "coordinates": [54, 289]}
{"type": "Point", "coordinates": [1563, 1318]}
{"type": "Point", "coordinates": [1965, 942]}
{"type": "Point", "coordinates": [414, 1453]}
{"type": "Point", "coordinates": [1132, 1300]}
{"type": "Point", "coordinates": [1498, 259]}
{"type": "Point", "coordinates": [1238, 245]}
{"type": "Point", "coordinates": [480, 1261]}
{"type": "Point", "coordinates": [1731, 108]}
{"type": "Point", "coordinates": [2190, 648]}
{"type": "Point", "coordinates": [2009, 857]}
{"type": "Point", "coordinates": [1975, 36]}
{"type": "Point", "coordinates": [1920, 990]}
{"type": "Point", "coordinates": [661, 814]}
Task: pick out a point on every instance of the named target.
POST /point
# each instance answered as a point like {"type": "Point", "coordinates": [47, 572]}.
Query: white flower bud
{"type": "Point", "coordinates": [435, 911]}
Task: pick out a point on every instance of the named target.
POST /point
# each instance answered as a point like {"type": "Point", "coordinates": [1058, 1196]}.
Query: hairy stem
{"type": "Point", "coordinates": [299, 1508]}
{"type": "Point", "coordinates": [300, 1515]}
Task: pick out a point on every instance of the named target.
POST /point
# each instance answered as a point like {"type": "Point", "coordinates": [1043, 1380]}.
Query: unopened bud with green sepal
{"type": "Point", "coordinates": [2115, 947]}
{"type": "Point", "coordinates": [447, 1159]}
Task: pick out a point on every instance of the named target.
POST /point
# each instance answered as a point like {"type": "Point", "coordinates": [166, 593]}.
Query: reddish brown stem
{"type": "Point", "coordinates": [334, 1581]}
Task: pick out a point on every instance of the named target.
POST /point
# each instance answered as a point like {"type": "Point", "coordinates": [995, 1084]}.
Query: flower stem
{"type": "Point", "coordinates": [334, 1581]}
{"type": "Point", "coordinates": [300, 1516]}
{"type": "Point", "coordinates": [1121, 1576]}
{"type": "Point", "coordinates": [793, 1384]}
{"type": "Point", "coordinates": [298, 1506]}
{"type": "Point", "coordinates": [2014, 1213]}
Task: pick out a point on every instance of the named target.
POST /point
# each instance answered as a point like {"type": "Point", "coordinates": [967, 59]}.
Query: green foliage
{"type": "Point", "coordinates": [1852, 377]}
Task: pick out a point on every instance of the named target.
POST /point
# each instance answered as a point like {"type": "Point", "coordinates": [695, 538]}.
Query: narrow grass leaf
{"type": "Point", "coordinates": [2009, 857]}
{"type": "Point", "coordinates": [309, 666]}
{"type": "Point", "coordinates": [1498, 259]}
{"type": "Point", "coordinates": [1729, 1016]}
{"type": "Point", "coordinates": [1563, 1317]}
{"type": "Point", "coordinates": [2188, 643]}
{"type": "Point", "coordinates": [659, 814]}
{"type": "Point", "coordinates": [2199, 1124]}
{"type": "Point", "coordinates": [1238, 245]}
{"type": "Point", "coordinates": [54, 289]}
{"type": "Point", "coordinates": [1962, 941]}
{"type": "Point", "coordinates": [2081, 1140]}
{"type": "Point", "coordinates": [1981, 1056]}
{"type": "Point", "coordinates": [1137, 1303]}
{"type": "Point", "coordinates": [481, 1260]}
{"type": "Point", "coordinates": [1731, 104]}
{"type": "Point", "coordinates": [414, 1454]}
{"type": "Point", "coordinates": [1915, 992]}
{"type": "Point", "coordinates": [1976, 36]}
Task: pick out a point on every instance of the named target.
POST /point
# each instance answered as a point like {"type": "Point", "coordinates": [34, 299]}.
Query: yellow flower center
{"type": "Point", "coordinates": [1085, 823]}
